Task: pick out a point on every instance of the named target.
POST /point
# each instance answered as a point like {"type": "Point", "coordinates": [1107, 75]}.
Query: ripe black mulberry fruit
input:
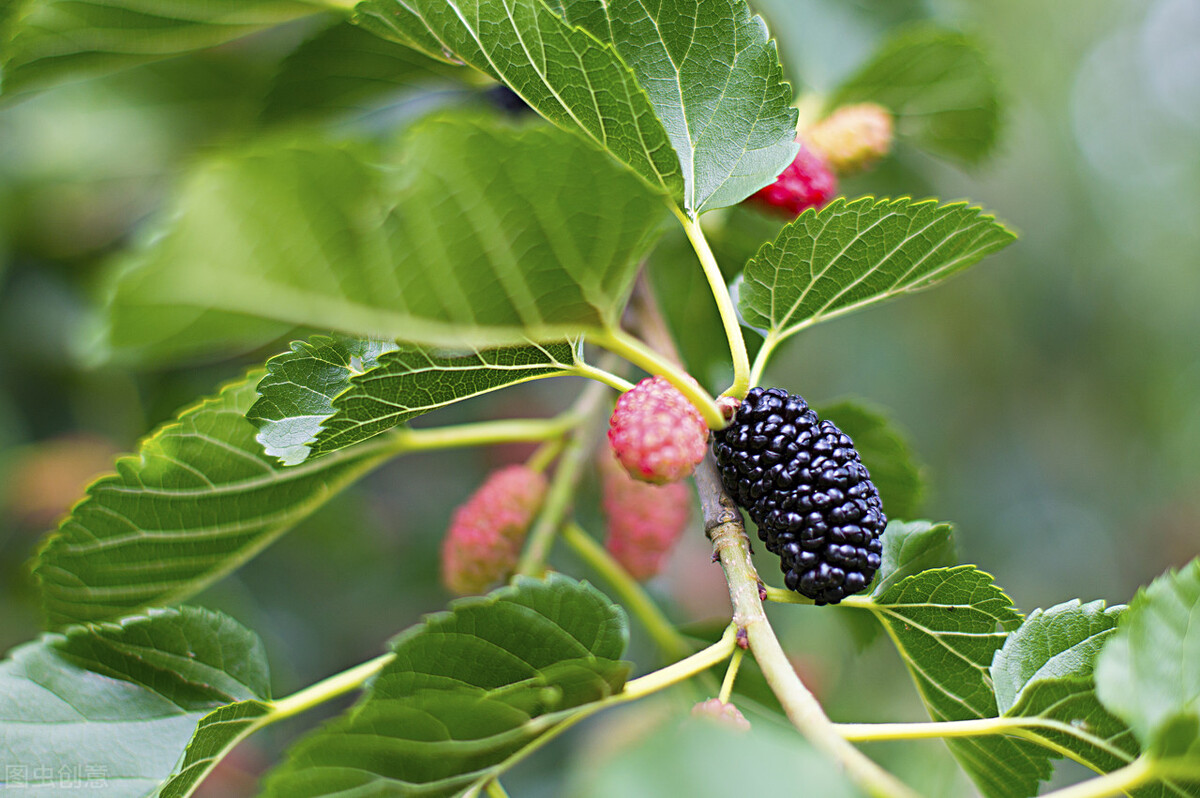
{"type": "Point", "coordinates": [802, 482]}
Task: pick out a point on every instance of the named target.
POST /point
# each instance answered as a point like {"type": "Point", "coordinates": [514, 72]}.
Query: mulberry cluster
{"type": "Point", "coordinates": [802, 482]}
{"type": "Point", "coordinates": [807, 182]}
{"type": "Point", "coordinates": [656, 433]}
{"type": "Point", "coordinates": [644, 521]}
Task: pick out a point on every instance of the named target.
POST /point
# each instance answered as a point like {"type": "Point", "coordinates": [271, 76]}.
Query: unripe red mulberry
{"type": "Point", "coordinates": [852, 137]}
{"type": "Point", "coordinates": [807, 182]}
{"type": "Point", "coordinates": [643, 520]}
{"type": "Point", "coordinates": [721, 712]}
{"type": "Point", "coordinates": [487, 531]}
{"type": "Point", "coordinates": [656, 433]}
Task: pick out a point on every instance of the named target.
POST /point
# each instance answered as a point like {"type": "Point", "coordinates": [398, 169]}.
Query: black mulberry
{"type": "Point", "coordinates": [802, 482]}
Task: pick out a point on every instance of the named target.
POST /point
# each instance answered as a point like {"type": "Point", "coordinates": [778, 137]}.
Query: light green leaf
{"type": "Point", "coordinates": [1149, 673]}
{"type": "Point", "coordinates": [910, 547]}
{"type": "Point", "coordinates": [115, 705]}
{"type": "Point", "coordinates": [330, 393]}
{"type": "Point", "coordinates": [848, 255]}
{"type": "Point", "coordinates": [885, 453]}
{"type": "Point", "coordinates": [939, 86]}
{"type": "Point", "coordinates": [467, 694]}
{"type": "Point", "coordinates": [344, 70]}
{"type": "Point", "coordinates": [713, 76]}
{"type": "Point", "coordinates": [563, 72]}
{"type": "Point", "coordinates": [483, 234]}
{"type": "Point", "coordinates": [197, 500]}
{"type": "Point", "coordinates": [54, 40]}
{"type": "Point", "coordinates": [947, 624]}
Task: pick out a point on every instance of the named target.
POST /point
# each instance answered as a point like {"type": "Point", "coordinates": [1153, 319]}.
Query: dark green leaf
{"type": "Point", "coordinates": [54, 40]}
{"type": "Point", "coordinates": [564, 73]}
{"type": "Point", "coordinates": [329, 393]}
{"type": "Point", "coordinates": [947, 624]}
{"type": "Point", "coordinates": [910, 547]}
{"type": "Point", "coordinates": [886, 454]}
{"type": "Point", "coordinates": [483, 234]}
{"type": "Point", "coordinates": [940, 88]}
{"type": "Point", "coordinates": [115, 706]}
{"type": "Point", "coordinates": [714, 79]}
{"type": "Point", "coordinates": [1149, 673]}
{"type": "Point", "coordinates": [848, 255]}
{"type": "Point", "coordinates": [198, 500]}
{"type": "Point", "coordinates": [468, 692]}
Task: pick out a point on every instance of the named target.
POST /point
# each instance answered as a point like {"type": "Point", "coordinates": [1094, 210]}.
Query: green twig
{"type": "Point", "coordinates": [764, 355]}
{"type": "Point", "coordinates": [482, 433]}
{"type": "Point", "coordinates": [327, 689]}
{"type": "Point", "coordinates": [600, 375]}
{"type": "Point", "coordinates": [1121, 780]}
{"type": "Point", "coordinates": [735, 662]}
{"type": "Point", "coordinates": [638, 353]}
{"type": "Point", "coordinates": [496, 790]}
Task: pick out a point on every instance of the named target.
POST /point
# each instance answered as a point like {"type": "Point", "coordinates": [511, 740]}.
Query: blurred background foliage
{"type": "Point", "coordinates": [1052, 393]}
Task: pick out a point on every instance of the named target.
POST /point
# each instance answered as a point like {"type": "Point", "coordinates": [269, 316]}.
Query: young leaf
{"type": "Point", "coordinates": [485, 235]}
{"type": "Point", "coordinates": [564, 73]}
{"type": "Point", "coordinates": [116, 705]}
{"type": "Point", "coordinates": [197, 500]}
{"type": "Point", "coordinates": [910, 547]}
{"type": "Point", "coordinates": [940, 88]}
{"type": "Point", "coordinates": [947, 624]}
{"type": "Point", "coordinates": [848, 255]}
{"type": "Point", "coordinates": [53, 40]}
{"type": "Point", "coordinates": [343, 70]}
{"type": "Point", "coordinates": [329, 393]}
{"type": "Point", "coordinates": [1149, 673]}
{"type": "Point", "coordinates": [714, 79]}
{"type": "Point", "coordinates": [467, 694]}
{"type": "Point", "coordinates": [885, 453]}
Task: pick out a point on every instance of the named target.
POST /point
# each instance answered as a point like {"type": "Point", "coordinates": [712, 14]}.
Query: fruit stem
{"type": "Point", "coordinates": [484, 432]}
{"type": "Point", "coordinates": [723, 524]}
{"type": "Point", "coordinates": [638, 353]}
{"type": "Point", "coordinates": [781, 596]}
{"type": "Point", "coordinates": [729, 320]}
{"type": "Point", "coordinates": [1119, 781]}
{"type": "Point", "coordinates": [632, 594]}
{"type": "Point", "coordinates": [735, 663]}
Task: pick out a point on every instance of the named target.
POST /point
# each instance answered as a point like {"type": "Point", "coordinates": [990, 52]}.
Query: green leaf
{"type": "Point", "coordinates": [848, 255]}
{"type": "Point", "coordinates": [197, 500]}
{"type": "Point", "coordinates": [1149, 673]}
{"type": "Point", "coordinates": [939, 86]}
{"type": "Point", "coordinates": [714, 79]}
{"type": "Point", "coordinates": [54, 40]}
{"type": "Point", "coordinates": [886, 454]}
{"type": "Point", "coordinates": [344, 70]}
{"type": "Point", "coordinates": [564, 73]}
{"type": "Point", "coordinates": [947, 624]}
{"type": "Point", "coordinates": [330, 393]}
{"type": "Point", "coordinates": [467, 694]}
{"type": "Point", "coordinates": [116, 705]}
{"type": "Point", "coordinates": [910, 547]}
{"type": "Point", "coordinates": [484, 234]}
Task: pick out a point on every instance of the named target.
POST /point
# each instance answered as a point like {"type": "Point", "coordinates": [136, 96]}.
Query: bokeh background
{"type": "Point", "coordinates": [1052, 393]}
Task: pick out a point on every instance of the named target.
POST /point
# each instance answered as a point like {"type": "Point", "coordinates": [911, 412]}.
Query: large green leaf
{"type": "Point", "coordinates": [1149, 673]}
{"type": "Point", "coordinates": [848, 255]}
{"type": "Point", "coordinates": [947, 624]}
{"type": "Point", "coordinates": [885, 453]}
{"type": "Point", "coordinates": [197, 500]}
{"type": "Point", "coordinates": [483, 234]}
{"type": "Point", "coordinates": [329, 393]}
{"type": "Point", "coordinates": [54, 40]}
{"type": "Point", "coordinates": [714, 79]}
{"type": "Point", "coordinates": [344, 70]}
{"type": "Point", "coordinates": [565, 73]}
{"type": "Point", "coordinates": [111, 709]}
{"type": "Point", "coordinates": [940, 88]}
{"type": "Point", "coordinates": [468, 692]}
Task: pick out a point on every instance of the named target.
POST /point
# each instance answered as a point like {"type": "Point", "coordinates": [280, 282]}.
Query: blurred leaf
{"type": "Point", "coordinates": [115, 705]}
{"type": "Point", "coordinates": [561, 71]}
{"type": "Point", "coordinates": [486, 234]}
{"type": "Point", "coordinates": [910, 547]}
{"type": "Point", "coordinates": [851, 254]}
{"type": "Point", "coordinates": [885, 453]}
{"type": "Point", "coordinates": [55, 40]}
{"type": "Point", "coordinates": [344, 70]}
{"type": "Point", "coordinates": [947, 624]}
{"type": "Point", "coordinates": [468, 690]}
{"type": "Point", "coordinates": [216, 735]}
{"type": "Point", "coordinates": [330, 393]}
{"type": "Point", "coordinates": [940, 88]}
{"type": "Point", "coordinates": [714, 79]}
{"type": "Point", "coordinates": [1149, 673]}
{"type": "Point", "coordinates": [198, 500]}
